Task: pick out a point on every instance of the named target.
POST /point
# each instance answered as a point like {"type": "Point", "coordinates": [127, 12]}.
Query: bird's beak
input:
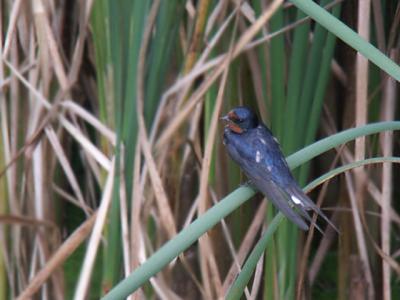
{"type": "Point", "coordinates": [225, 118]}
{"type": "Point", "coordinates": [230, 116]}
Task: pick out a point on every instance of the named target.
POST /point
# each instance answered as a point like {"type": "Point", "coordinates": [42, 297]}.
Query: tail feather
{"type": "Point", "coordinates": [303, 203]}
{"type": "Point", "coordinates": [309, 219]}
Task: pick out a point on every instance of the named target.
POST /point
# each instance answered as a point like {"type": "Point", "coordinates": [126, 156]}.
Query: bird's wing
{"type": "Point", "coordinates": [277, 171]}
{"type": "Point", "coordinates": [260, 178]}
{"type": "Point", "coordinates": [279, 198]}
{"type": "Point", "coordinates": [284, 197]}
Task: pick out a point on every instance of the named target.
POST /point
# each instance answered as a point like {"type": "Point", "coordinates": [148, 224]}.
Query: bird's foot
{"type": "Point", "coordinates": [247, 183]}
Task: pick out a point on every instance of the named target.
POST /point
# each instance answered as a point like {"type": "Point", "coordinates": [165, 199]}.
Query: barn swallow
{"type": "Point", "coordinates": [253, 147]}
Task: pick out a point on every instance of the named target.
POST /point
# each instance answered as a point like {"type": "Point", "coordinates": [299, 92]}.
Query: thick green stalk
{"type": "Point", "coordinates": [295, 79]}
{"type": "Point", "coordinates": [277, 74]}
{"type": "Point", "coordinates": [311, 77]}
{"type": "Point", "coordinates": [159, 59]}
{"type": "Point", "coordinates": [277, 62]}
{"type": "Point", "coordinates": [320, 89]}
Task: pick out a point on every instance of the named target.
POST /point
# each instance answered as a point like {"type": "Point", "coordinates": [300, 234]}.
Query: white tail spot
{"type": "Point", "coordinates": [263, 141]}
{"type": "Point", "coordinates": [297, 200]}
{"type": "Point", "coordinates": [258, 156]}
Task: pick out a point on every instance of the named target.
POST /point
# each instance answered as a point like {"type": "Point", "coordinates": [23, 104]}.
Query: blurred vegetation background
{"type": "Point", "coordinates": [111, 145]}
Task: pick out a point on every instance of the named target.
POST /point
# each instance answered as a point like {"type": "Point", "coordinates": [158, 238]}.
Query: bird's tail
{"type": "Point", "coordinates": [303, 203]}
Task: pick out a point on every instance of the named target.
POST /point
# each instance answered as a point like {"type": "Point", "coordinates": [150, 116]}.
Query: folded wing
{"type": "Point", "coordinates": [279, 198]}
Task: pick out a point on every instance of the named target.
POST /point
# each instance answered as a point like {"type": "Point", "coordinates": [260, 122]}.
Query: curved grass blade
{"type": "Point", "coordinates": [329, 175]}
{"type": "Point", "coordinates": [219, 211]}
{"type": "Point", "coordinates": [347, 35]}
{"type": "Point", "coordinates": [236, 290]}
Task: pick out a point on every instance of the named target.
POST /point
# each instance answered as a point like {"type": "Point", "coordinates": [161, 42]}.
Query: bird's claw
{"type": "Point", "coordinates": [247, 183]}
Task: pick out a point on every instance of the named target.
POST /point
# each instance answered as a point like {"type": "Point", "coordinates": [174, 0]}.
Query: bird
{"type": "Point", "coordinates": [251, 144]}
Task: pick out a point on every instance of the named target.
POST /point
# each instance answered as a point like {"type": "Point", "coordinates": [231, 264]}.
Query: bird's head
{"type": "Point", "coordinates": [241, 119]}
